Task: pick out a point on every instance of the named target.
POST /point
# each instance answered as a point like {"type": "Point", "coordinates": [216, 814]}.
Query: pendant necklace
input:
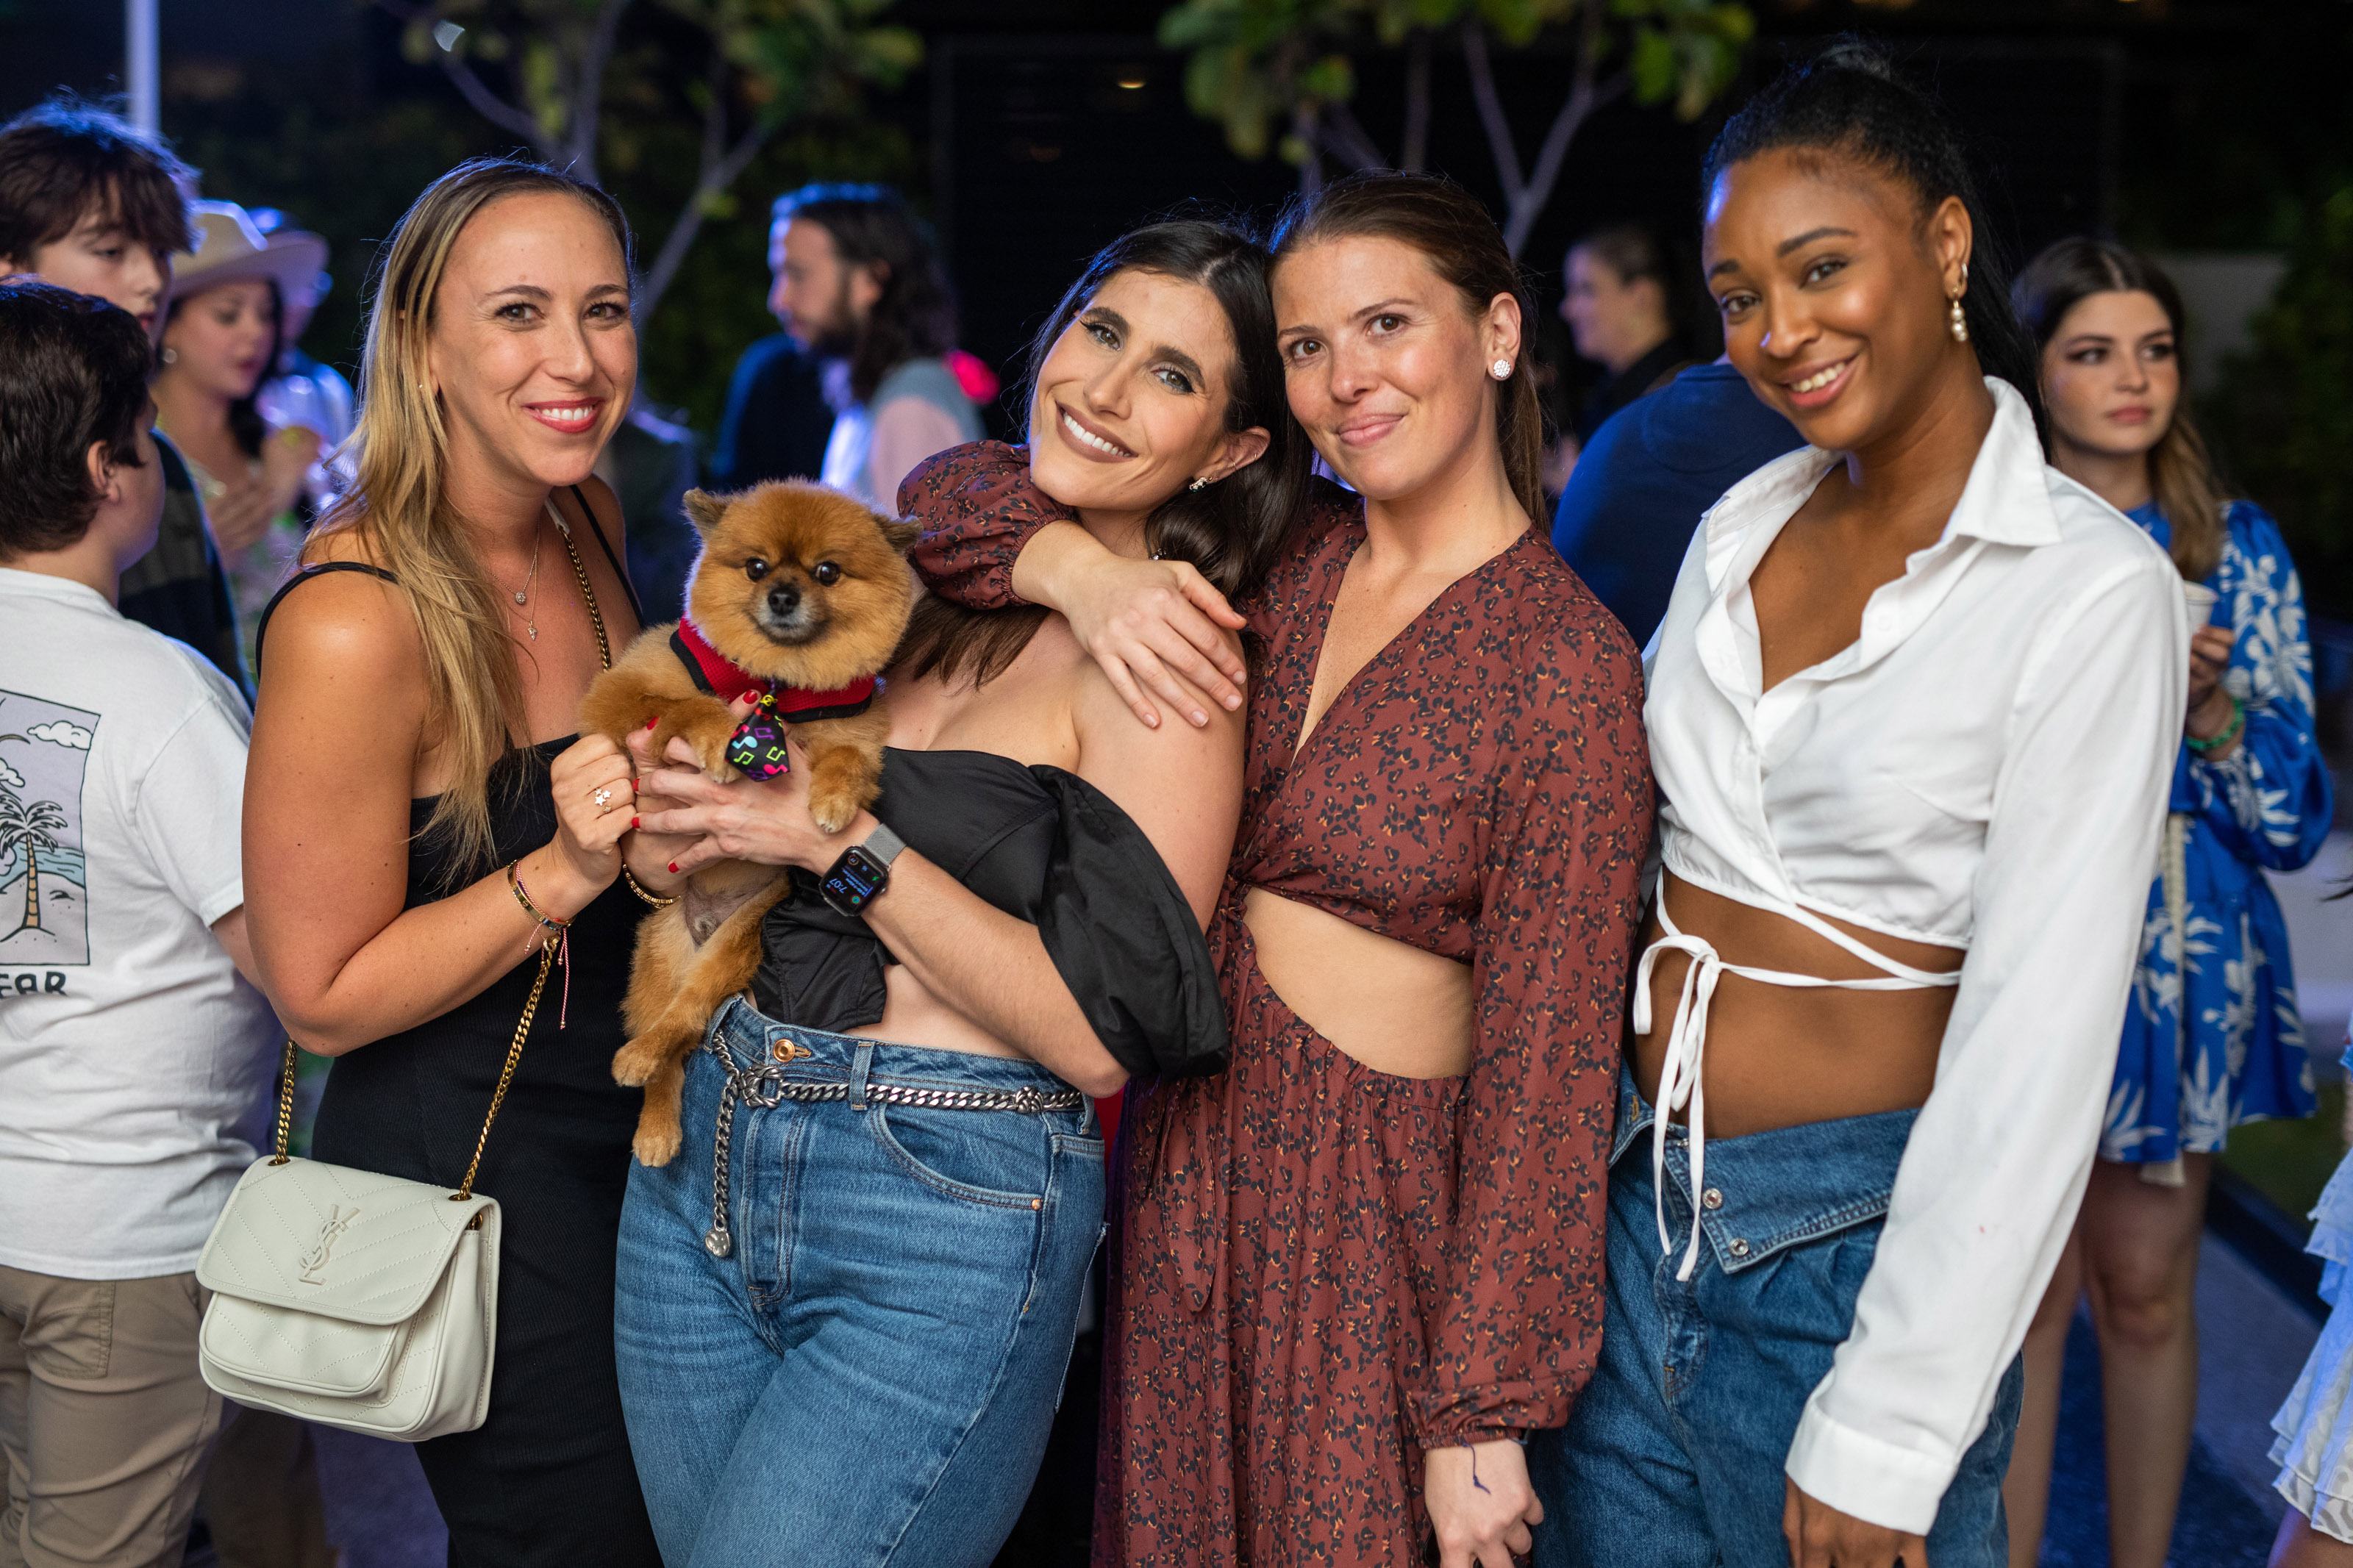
{"type": "Point", "coordinates": [522, 595]}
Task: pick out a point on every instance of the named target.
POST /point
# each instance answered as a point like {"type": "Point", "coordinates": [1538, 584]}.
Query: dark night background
{"type": "Point", "coordinates": [2189, 126]}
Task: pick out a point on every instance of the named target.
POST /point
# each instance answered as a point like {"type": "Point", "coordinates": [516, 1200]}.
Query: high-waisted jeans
{"type": "Point", "coordinates": [1672, 1455]}
{"type": "Point", "coordinates": [867, 1376]}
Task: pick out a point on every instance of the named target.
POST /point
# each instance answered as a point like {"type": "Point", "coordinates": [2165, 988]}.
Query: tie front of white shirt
{"type": "Point", "coordinates": [1984, 768]}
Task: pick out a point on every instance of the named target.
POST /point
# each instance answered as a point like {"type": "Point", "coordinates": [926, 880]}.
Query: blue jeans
{"type": "Point", "coordinates": [869, 1375]}
{"type": "Point", "coordinates": [1672, 1455]}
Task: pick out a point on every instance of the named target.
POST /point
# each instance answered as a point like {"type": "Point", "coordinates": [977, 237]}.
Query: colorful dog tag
{"type": "Point", "coordinates": [756, 750]}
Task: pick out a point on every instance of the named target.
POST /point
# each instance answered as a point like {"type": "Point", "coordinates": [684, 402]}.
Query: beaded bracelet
{"type": "Point", "coordinates": [637, 888]}
{"type": "Point", "coordinates": [514, 883]}
{"type": "Point", "coordinates": [2231, 731]}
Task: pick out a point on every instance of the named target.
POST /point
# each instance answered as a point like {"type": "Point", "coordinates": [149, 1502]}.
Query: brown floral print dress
{"type": "Point", "coordinates": [1325, 1269]}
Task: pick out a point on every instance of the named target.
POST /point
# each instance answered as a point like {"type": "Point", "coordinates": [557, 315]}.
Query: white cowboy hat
{"type": "Point", "coordinates": [231, 250]}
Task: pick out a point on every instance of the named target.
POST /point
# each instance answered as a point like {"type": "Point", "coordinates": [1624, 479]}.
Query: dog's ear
{"type": "Point", "coordinates": [902, 535]}
{"type": "Point", "coordinates": [704, 510]}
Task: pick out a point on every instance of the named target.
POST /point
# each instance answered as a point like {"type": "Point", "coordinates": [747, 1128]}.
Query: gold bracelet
{"type": "Point", "coordinates": [515, 882]}
{"type": "Point", "coordinates": [639, 888]}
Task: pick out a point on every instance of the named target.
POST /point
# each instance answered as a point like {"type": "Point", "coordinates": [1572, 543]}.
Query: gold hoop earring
{"type": "Point", "coordinates": [1958, 321]}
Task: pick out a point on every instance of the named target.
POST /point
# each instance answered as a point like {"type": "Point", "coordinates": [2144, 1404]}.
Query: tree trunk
{"type": "Point", "coordinates": [32, 886]}
{"type": "Point", "coordinates": [1416, 150]}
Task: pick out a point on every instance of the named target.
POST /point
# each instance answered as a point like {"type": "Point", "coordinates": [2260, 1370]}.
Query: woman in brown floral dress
{"type": "Point", "coordinates": [1362, 1264]}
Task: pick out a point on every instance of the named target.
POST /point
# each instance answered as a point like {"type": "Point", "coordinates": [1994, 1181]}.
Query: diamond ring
{"type": "Point", "coordinates": [603, 797]}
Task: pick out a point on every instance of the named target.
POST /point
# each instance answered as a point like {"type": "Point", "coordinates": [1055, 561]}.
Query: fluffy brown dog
{"type": "Point", "coordinates": [799, 591]}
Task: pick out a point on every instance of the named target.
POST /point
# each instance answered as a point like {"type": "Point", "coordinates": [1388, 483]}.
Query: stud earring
{"type": "Point", "coordinates": [171, 356]}
{"type": "Point", "coordinates": [1199, 483]}
{"type": "Point", "coordinates": [1501, 370]}
{"type": "Point", "coordinates": [1958, 321]}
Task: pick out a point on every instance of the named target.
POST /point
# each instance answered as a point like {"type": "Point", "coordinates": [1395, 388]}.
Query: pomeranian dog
{"type": "Point", "coordinates": [800, 596]}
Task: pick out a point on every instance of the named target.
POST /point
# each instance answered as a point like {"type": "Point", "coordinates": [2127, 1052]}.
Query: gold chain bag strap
{"type": "Point", "coordinates": [359, 1300]}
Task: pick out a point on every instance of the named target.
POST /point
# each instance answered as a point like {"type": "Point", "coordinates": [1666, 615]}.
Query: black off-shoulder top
{"type": "Point", "coordinates": [1044, 845]}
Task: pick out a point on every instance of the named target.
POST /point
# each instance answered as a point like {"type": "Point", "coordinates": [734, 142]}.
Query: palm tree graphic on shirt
{"type": "Point", "coordinates": [32, 825]}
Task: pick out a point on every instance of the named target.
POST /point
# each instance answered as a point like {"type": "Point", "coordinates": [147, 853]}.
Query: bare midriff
{"type": "Point", "coordinates": [1393, 1007]}
{"type": "Point", "coordinates": [1782, 1056]}
{"type": "Point", "coordinates": [1023, 714]}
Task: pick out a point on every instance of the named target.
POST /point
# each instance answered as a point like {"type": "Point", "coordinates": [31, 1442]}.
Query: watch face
{"type": "Point", "coordinates": [856, 878]}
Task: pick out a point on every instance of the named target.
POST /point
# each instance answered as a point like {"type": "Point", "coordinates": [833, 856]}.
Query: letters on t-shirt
{"type": "Point", "coordinates": [44, 914]}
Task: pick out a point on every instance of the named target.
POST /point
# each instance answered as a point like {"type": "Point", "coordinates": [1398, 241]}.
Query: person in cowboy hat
{"type": "Point", "coordinates": [234, 299]}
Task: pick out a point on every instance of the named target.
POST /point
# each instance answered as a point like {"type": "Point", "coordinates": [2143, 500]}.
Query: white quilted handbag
{"type": "Point", "coordinates": [361, 1302]}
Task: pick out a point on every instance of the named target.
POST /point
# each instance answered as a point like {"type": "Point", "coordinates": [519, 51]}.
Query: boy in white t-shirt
{"type": "Point", "coordinates": [133, 1052]}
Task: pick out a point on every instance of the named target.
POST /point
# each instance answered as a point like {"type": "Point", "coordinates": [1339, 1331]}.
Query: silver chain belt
{"type": "Point", "coordinates": [766, 1085]}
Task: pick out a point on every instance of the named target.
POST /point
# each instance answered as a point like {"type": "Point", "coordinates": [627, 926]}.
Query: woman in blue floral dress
{"type": "Point", "coordinates": [2212, 1036]}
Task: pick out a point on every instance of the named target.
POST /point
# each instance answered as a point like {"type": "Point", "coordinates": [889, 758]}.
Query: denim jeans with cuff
{"type": "Point", "coordinates": [1672, 1455]}
{"type": "Point", "coordinates": [867, 1376]}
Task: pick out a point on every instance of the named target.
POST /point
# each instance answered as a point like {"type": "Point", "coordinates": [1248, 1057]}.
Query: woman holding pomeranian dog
{"type": "Point", "coordinates": [847, 1303]}
{"type": "Point", "coordinates": [1363, 1262]}
{"type": "Point", "coordinates": [422, 819]}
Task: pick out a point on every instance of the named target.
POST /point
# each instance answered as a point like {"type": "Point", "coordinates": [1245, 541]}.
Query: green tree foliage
{"type": "Point", "coordinates": [596, 84]}
{"type": "Point", "coordinates": [1283, 74]}
{"type": "Point", "coordinates": [2283, 417]}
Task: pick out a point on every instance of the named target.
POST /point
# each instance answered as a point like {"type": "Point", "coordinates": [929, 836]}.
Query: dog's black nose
{"type": "Point", "coordinates": [784, 599]}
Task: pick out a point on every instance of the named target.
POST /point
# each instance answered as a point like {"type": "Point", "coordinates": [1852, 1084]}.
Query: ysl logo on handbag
{"type": "Point", "coordinates": [315, 1260]}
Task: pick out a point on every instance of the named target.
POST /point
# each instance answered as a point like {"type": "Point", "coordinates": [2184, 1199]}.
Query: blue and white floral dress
{"type": "Point", "coordinates": [2266, 806]}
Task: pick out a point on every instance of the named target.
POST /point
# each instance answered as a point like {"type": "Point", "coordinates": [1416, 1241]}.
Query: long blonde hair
{"type": "Point", "coordinates": [398, 506]}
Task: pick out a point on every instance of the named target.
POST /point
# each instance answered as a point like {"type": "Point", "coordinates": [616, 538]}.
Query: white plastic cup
{"type": "Point", "coordinates": [2201, 600]}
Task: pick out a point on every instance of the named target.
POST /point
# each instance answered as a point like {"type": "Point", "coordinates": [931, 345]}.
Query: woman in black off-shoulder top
{"type": "Point", "coordinates": [871, 1375]}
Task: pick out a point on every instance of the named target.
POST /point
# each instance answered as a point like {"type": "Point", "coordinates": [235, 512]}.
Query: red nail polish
{"type": "Point", "coordinates": [673, 867]}
{"type": "Point", "coordinates": [653, 722]}
{"type": "Point", "coordinates": [633, 822]}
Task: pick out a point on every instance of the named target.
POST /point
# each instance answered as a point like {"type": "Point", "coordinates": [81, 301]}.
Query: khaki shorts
{"type": "Point", "coordinates": [103, 1421]}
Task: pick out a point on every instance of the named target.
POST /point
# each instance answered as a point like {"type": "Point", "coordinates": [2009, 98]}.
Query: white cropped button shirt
{"type": "Point", "coordinates": [1985, 768]}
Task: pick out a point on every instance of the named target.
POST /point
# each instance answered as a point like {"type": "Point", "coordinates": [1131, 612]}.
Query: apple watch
{"type": "Point", "coordinates": [861, 873]}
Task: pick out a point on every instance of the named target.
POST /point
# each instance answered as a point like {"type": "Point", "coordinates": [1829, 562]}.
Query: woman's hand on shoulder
{"type": "Point", "coordinates": [1182, 785]}
{"type": "Point", "coordinates": [1159, 628]}
{"type": "Point", "coordinates": [1481, 1504]}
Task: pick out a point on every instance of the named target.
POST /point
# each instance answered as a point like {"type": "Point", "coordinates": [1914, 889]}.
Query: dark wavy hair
{"type": "Point", "coordinates": [1849, 102]}
{"type": "Point", "coordinates": [2180, 469]}
{"type": "Point", "coordinates": [915, 318]}
{"type": "Point", "coordinates": [1448, 226]}
{"type": "Point", "coordinates": [246, 425]}
{"type": "Point", "coordinates": [1231, 531]}
{"type": "Point", "coordinates": [73, 371]}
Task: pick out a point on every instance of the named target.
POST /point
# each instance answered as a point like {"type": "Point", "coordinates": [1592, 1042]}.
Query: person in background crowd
{"type": "Point", "coordinates": [1913, 709]}
{"type": "Point", "coordinates": [1649, 472]}
{"type": "Point", "coordinates": [2214, 1036]}
{"type": "Point", "coordinates": [133, 1050]}
{"type": "Point", "coordinates": [223, 333]}
{"type": "Point", "coordinates": [860, 286]}
{"type": "Point", "coordinates": [776, 419]}
{"type": "Point", "coordinates": [1620, 305]}
{"type": "Point", "coordinates": [305, 391]}
{"type": "Point", "coordinates": [92, 206]}
{"type": "Point", "coordinates": [423, 819]}
{"type": "Point", "coordinates": [2313, 1441]}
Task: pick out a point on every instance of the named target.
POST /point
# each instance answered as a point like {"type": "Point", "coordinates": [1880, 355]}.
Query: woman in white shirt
{"type": "Point", "coordinates": [1912, 712]}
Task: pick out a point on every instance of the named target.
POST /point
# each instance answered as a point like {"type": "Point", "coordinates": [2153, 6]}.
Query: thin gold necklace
{"type": "Point", "coordinates": [522, 595]}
